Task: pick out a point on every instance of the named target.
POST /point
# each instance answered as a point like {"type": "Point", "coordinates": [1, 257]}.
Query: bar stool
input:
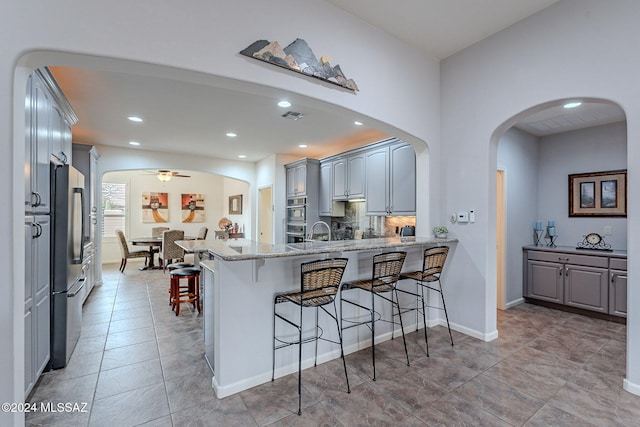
{"type": "Point", "coordinates": [384, 277]}
{"type": "Point", "coordinates": [432, 266]}
{"type": "Point", "coordinates": [185, 293]}
{"type": "Point", "coordinates": [319, 283]}
{"type": "Point", "coordinates": [175, 266]}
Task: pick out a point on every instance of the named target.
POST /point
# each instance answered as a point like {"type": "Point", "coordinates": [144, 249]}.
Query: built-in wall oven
{"type": "Point", "coordinates": [296, 221]}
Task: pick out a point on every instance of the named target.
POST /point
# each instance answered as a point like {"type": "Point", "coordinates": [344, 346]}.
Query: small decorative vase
{"type": "Point", "coordinates": [441, 235]}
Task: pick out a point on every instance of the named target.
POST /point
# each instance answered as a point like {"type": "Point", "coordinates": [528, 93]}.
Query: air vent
{"type": "Point", "coordinates": [292, 115]}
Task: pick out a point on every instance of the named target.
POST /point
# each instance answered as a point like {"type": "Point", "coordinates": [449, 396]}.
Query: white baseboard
{"type": "Point", "coordinates": [513, 303]}
{"type": "Point", "coordinates": [631, 387]}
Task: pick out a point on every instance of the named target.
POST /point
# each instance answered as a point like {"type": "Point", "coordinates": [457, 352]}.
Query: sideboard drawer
{"type": "Point", "coordinates": [618, 264]}
{"type": "Point", "coordinates": [564, 258]}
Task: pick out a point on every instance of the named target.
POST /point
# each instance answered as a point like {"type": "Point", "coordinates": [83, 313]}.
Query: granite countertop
{"type": "Point", "coordinates": [617, 253]}
{"type": "Point", "coordinates": [243, 249]}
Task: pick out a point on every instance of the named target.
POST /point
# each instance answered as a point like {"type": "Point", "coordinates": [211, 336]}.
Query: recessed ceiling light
{"type": "Point", "coordinates": [242, 156]}
{"type": "Point", "coordinates": [302, 145]}
{"type": "Point", "coordinates": [572, 104]}
{"type": "Point", "coordinates": [357, 123]}
{"type": "Point", "coordinates": [136, 143]}
{"type": "Point", "coordinates": [231, 135]}
{"type": "Point", "coordinates": [284, 104]}
{"type": "Point", "coordinates": [135, 119]}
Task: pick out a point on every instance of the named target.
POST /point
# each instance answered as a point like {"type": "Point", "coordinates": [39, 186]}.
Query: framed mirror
{"type": "Point", "coordinates": [235, 205]}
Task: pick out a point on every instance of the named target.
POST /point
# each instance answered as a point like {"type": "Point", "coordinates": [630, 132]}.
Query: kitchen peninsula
{"type": "Point", "coordinates": [240, 279]}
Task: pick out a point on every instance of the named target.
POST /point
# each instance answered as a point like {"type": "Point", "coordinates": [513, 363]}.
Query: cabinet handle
{"type": "Point", "coordinates": [563, 259]}
{"type": "Point", "coordinates": [38, 232]}
{"type": "Point", "coordinates": [37, 201]}
{"type": "Point", "coordinates": [561, 269]}
{"type": "Point", "coordinates": [613, 277]}
{"type": "Point", "coordinates": [64, 157]}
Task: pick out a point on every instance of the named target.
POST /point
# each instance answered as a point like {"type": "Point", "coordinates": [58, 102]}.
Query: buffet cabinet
{"type": "Point", "coordinates": [588, 280]}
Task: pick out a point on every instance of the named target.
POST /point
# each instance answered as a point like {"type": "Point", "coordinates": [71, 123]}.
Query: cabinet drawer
{"type": "Point", "coordinates": [618, 264]}
{"type": "Point", "coordinates": [593, 261]}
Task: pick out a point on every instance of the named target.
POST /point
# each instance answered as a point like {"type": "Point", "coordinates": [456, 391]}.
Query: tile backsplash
{"type": "Point", "coordinates": [343, 228]}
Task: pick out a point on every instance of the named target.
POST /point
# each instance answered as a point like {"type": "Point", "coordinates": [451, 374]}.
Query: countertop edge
{"type": "Point", "coordinates": [615, 253]}
{"type": "Point", "coordinates": [370, 244]}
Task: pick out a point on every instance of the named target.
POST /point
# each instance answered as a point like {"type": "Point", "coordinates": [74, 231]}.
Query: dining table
{"type": "Point", "coordinates": [155, 245]}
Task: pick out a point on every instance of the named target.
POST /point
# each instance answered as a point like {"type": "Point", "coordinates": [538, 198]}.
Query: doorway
{"type": "Point", "coordinates": [265, 215]}
{"type": "Point", "coordinates": [500, 227]}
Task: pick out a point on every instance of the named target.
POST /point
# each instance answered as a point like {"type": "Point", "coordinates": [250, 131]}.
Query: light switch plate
{"type": "Point", "coordinates": [463, 216]}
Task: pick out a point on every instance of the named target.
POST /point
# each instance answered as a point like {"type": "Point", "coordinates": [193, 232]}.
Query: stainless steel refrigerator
{"type": "Point", "coordinates": [67, 276]}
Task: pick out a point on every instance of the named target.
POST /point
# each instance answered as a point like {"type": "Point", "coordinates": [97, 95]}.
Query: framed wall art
{"type": "Point", "coordinates": [235, 205]}
{"type": "Point", "coordinates": [192, 207]}
{"type": "Point", "coordinates": [155, 207]}
{"type": "Point", "coordinates": [598, 194]}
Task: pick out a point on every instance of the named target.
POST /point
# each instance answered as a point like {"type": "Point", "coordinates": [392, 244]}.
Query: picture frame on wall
{"type": "Point", "coordinates": [235, 205]}
{"type": "Point", "coordinates": [601, 194]}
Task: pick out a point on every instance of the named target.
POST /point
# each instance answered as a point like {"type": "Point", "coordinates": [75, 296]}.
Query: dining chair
{"type": "Point", "coordinates": [127, 254]}
{"type": "Point", "coordinates": [157, 231]}
{"type": "Point", "coordinates": [319, 283]}
{"type": "Point", "coordinates": [170, 251]}
{"type": "Point", "coordinates": [202, 234]}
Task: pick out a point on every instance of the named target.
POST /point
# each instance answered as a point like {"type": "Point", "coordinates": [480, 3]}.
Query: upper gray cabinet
{"type": "Point", "coordinates": [48, 121]}
{"type": "Point", "coordinates": [348, 177]}
{"type": "Point", "coordinates": [325, 203]}
{"type": "Point", "coordinates": [391, 180]}
{"type": "Point", "coordinates": [297, 180]}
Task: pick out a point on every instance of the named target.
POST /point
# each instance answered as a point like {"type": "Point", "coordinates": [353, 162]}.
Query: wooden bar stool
{"type": "Point", "coordinates": [190, 292]}
{"type": "Point", "coordinates": [175, 266]}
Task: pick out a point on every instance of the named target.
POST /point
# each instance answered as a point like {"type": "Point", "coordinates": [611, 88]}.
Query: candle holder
{"type": "Point", "coordinates": [537, 237]}
{"type": "Point", "coordinates": [551, 236]}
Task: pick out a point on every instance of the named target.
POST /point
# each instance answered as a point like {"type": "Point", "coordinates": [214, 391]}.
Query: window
{"type": "Point", "coordinates": [113, 208]}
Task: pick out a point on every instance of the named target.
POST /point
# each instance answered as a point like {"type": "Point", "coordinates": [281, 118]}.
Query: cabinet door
{"type": "Point", "coordinates": [377, 181]}
{"type": "Point", "coordinates": [544, 281]}
{"type": "Point", "coordinates": [40, 116]}
{"type": "Point", "coordinates": [29, 376]}
{"type": "Point", "coordinates": [356, 176]}
{"type": "Point", "coordinates": [326, 187]}
{"type": "Point", "coordinates": [60, 136]}
{"type": "Point", "coordinates": [402, 180]}
{"type": "Point", "coordinates": [292, 185]}
{"type": "Point", "coordinates": [586, 287]}
{"type": "Point", "coordinates": [618, 293]}
{"type": "Point", "coordinates": [42, 294]}
{"type": "Point", "coordinates": [339, 179]}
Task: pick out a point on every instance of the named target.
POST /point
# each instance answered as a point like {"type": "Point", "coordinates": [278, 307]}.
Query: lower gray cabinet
{"type": "Point", "coordinates": [586, 287]}
{"type": "Point", "coordinates": [545, 281]}
{"type": "Point", "coordinates": [595, 281]}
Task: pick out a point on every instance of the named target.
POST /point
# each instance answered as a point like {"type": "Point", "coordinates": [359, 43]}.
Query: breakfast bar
{"type": "Point", "coordinates": [239, 281]}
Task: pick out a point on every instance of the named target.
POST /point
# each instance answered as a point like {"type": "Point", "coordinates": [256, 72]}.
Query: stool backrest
{"type": "Point", "coordinates": [433, 263]}
{"type": "Point", "coordinates": [320, 279]}
{"type": "Point", "coordinates": [387, 266]}
{"type": "Point", "coordinates": [124, 247]}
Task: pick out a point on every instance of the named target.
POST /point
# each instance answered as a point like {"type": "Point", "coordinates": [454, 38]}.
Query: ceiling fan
{"type": "Point", "coordinates": [165, 175]}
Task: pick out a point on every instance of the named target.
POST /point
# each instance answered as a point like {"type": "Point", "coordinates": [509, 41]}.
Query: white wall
{"type": "Point", "coordinates": [596, 149]}
{"type": "Point", "coordinates": [574, 48]}
{"type": "Point", "coordinates": [197, 43]}
{"type": "Point", "coordinates": [518, 157]}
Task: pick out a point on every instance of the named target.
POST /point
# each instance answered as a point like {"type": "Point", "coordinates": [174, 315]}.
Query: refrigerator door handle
{"type": "Point", "coordinates": [79, 251]}
{"type": "Point", "coordinates": [74, 292]}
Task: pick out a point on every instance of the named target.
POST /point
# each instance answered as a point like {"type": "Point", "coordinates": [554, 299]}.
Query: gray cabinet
{"type": "Point", "coordinates": [37, 297]}
{"type": "Point", "coordinates": [618, 287]}
{"type": "Point", "coordinates": [593, 281]}
{"type": "Point", "coordinates": [348, 177]}
{"type": "Point", "coordinates": [391, 180]}
{"type": "Point", "coordinates": [296, 180]}
{"type": "Point", "coordinates": [545, 281]}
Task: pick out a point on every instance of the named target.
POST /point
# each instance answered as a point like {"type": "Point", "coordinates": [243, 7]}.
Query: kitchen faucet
{"type": "Point", "coordinates": [314, 226]}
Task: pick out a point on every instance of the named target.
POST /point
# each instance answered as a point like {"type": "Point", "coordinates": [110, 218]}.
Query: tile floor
{"type": "Point", "coordinates": [137, 364]}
